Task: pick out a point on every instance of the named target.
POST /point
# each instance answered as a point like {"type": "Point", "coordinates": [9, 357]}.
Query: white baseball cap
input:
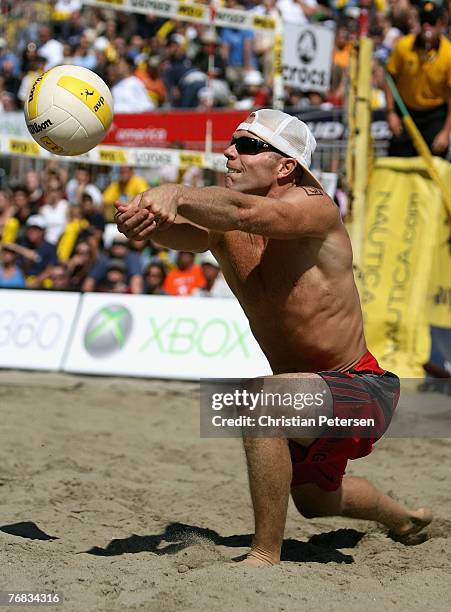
{"type": "Point", "coordinates": [286, 133]}
{"type": "Point", "coordinates": [36, 221]}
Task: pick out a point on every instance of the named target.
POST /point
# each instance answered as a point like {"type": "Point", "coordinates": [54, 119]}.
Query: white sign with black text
{"type": "Point", "coordinates": [307, 57]}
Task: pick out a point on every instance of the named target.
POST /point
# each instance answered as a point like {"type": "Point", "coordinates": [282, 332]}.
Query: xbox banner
{"type": "Point", "coordinates": [35, 328]}
{"type": "Point", "coordinates": [164, 337]}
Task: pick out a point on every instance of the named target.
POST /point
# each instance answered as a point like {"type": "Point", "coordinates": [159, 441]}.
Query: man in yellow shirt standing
{"type": "Point", "coordinates": [127, 187]}
{"type": "Point", "coordinates": [420, 64]}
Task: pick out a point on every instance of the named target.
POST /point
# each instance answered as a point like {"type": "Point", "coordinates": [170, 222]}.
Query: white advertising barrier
{"type": "Point", "coordinates": [191, 11]}
{"type": "Point", "coordinates": [164, 337]}
{"type": "Point", "coordinates": [107, 155]}
{"type": "Point", "coordinates": [35, 328]}
{"type": "Point", "coordinates": [307, 56]}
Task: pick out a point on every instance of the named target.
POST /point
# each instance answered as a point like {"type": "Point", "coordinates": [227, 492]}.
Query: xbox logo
{"type": "Point", "coordinates": [108, 330]}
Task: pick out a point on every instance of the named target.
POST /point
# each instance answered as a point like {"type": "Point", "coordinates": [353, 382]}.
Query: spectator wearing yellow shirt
{"type": "Point", "coordinates": [126, 188]}
{"type": "Point", "coordinates": [421, 67]}
{"type": "Point", "coordinates": [342, 49]}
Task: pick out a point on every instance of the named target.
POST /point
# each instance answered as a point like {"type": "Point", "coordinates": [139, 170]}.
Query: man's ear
{"type": "Point", "coordinates": [287, 166]}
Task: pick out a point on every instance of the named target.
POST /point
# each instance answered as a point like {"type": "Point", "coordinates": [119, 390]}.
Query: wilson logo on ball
{"type": "Point", "coordinates": [35, 128]}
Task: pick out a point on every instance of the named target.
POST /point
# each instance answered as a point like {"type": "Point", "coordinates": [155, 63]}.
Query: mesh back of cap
{"type": "Point", "coordinates": [294, 131]}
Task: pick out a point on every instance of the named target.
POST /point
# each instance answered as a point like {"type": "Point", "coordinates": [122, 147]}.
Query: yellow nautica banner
{"type": "Point", "coordinates": [440, 286]}
{"type": "Point", "coordinates": [403, 230]}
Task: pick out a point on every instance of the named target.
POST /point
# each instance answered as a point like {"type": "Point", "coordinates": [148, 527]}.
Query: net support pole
{"type": "Point", "coordinates": [277, 87]}
{"type": "Point", "coordinates": [362, 143]}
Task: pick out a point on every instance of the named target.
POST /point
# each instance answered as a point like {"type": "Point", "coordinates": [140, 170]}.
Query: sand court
{"type": "Point", "coordinates": [109, 495]}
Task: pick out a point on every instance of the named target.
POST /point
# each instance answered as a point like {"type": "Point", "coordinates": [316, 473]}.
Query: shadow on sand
{"type": "Point", "coordinates": [321, 548]}
{"type": "Point", "coordinates": [28, 530]}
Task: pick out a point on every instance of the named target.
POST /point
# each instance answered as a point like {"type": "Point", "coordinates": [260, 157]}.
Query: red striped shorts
{"type": "Point", "coordinates": [366, 391]}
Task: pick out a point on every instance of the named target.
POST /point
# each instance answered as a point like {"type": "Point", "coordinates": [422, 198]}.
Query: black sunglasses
{"type": "Point", "coordinates": [251, 146]}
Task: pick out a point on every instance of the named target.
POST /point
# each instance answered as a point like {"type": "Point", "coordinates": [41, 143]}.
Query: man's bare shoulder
{"type": "Point", "coordinates": [314, 200]}
{"type": "Point", "coordinates": [307, 193]}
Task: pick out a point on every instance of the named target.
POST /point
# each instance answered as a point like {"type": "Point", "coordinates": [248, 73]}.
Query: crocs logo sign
{"type": "Point", "coordinates": [306, 47]}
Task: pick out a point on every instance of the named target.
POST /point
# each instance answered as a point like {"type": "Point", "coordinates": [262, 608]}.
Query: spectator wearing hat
{"type": "Point", "coordinates": [420, 64]}
{"type": "Point", "coordinates": [126, 188]}
{"type": "Point", "coordinates": [154, 278]}
{"type": "Point", "coordinates": [185, 277]}
{"type": "Point", "coordinates": [132, 264]}
{"type": "Point", "coordinates": [253, 94]}
{"type": "Point", "coordinates": [215, 284]}
{"type": "Point", "coordinates": [115, 280]}
{"type": "Point", "coordinates": [38, 256]}
{"type": "Point", "coordinates": [11, 276]}
{"type": "Point", "coordinates": [129, 92]}
{"type": "Point", "coordinates": [100, 47]}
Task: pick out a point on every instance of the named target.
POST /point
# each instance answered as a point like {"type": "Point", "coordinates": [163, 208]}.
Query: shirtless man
{"type": "Point", "coordinates": [287, 257]}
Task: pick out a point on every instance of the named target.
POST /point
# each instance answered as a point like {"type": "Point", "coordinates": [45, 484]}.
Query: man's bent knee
{"type": "Point", "coordinates": [313, 502]}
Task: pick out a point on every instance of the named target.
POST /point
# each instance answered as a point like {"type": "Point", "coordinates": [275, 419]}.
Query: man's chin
{"type": "Point", "coordinates": [230, 184]}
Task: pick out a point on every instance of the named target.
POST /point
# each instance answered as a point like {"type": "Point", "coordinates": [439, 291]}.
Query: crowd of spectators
{"type": "Point", "coordinates": [55, 229]}
{"type": "Point", "coordinates": [152, 62]}
{"type": "Point", "coordinates": [55, 236]}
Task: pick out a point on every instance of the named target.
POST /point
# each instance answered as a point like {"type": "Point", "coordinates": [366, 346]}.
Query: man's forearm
{"type": "Point", "coordinates": [183, 237]}
{"type": "Point", "coordinates": [215, 208]}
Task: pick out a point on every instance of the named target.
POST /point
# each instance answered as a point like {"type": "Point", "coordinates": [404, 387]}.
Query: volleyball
{"type": "Point", "coordinates": [68, 110]}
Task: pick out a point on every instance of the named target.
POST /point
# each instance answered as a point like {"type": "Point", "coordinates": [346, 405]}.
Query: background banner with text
{"type": "Point", "coordinates": [164, 337]}
{"type": "Point", "coordinates": [404, 213]}
{"type": "Point", "coordinates": [35, 328]}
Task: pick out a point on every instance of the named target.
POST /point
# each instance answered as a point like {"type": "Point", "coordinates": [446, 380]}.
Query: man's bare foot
{"type": "Point", "coordinates": [258, 558]}
{"type": "Point", "coordinates": [417, 522]}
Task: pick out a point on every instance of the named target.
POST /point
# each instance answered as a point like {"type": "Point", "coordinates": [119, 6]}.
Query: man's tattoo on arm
{"type": "Point", "coordinates": [313, 191]}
